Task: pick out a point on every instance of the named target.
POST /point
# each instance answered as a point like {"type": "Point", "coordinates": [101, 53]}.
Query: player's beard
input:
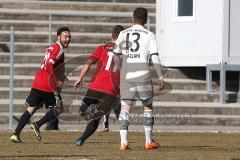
{"type": "Point", "coordinates": [64, 43]}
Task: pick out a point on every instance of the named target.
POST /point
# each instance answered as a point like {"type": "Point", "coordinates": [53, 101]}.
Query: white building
{"type": "Point", "coordinates": [198, 32]}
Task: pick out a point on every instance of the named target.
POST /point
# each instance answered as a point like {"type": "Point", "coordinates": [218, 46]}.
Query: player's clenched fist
{"type": "Point", "coordinates": [78, 83]}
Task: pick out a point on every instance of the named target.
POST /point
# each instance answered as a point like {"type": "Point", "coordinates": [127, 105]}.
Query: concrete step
{"type": "Point", "coordinates": [20, 36]}
{"type": "Point", "coordinates": [114, 1]}
{"type": "Point", "coordinates": [43, 19]}
{"type": "Point", "coordinates": [177, 108]}
{"type": "Point", "coordinates": [170, 84]}
{"type": "Point", "coordinates": [207, 120]}
{"type": "Point", "coordinates": [166, 113]}
{"type": "Point", "coordinates": [33, 58]}
{"type": "Point", "coordinates": [28, 65]}
{"type": "Point", "coordinates": [75, 6]}
{"type": "Point", "coordinates": [72, 68]}
{"type": "Point", "coordinates": [40, 47]}
{"type": "Point", "coordinates": [165, 95]}
{"type": "Point", "coordinates": [92, 25]}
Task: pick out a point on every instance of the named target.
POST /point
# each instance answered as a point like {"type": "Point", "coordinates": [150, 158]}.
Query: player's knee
{"type": "Point", "coordinates": [83, 108]}
{"type": "Point", "coordinates": [55, 111]}
{"type": "Point", "coordinates": [31, 110]}
{"type": "Point", "coordinates": [60, 110]}
{"type": "Point", "coordinates": [148, 119]}
{"type": "Point", "coordinates": [148, 102]}
{"type": "Point", "coordinates": [124, 120]}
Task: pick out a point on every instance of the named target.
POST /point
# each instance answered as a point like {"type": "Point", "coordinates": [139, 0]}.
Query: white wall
{"type": "Point", "coordinates": [233, 56]}
{"type": "Point", "coordinates": [190, 43]}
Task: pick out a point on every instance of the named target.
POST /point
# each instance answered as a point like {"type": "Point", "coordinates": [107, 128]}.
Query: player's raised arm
{"type": "Point", "coordinates": [84, 71]}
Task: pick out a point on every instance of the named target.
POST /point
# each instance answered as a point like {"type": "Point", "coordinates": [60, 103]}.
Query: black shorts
{"type": "Point", "coordinates": [104, 100]}
{"type": "Point", "coordinates": [38, 98]}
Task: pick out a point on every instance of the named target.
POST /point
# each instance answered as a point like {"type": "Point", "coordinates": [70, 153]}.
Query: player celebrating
{"type": "Point", "coordinates": [45, 83]}
{"type": "Point", "coordinates": [103, 89]}
{"type": "Point", "coordinates": [135, 80]}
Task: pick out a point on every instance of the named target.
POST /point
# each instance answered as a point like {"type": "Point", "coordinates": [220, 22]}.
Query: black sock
{"type": "Point", "coordinates": [50, 115]}
{"type": "Point", "coordinates": [90, 129]}
{"type": "Point", "coordinates": [22, 122]}
{"type": "Point", "coordinates": [106, 120]}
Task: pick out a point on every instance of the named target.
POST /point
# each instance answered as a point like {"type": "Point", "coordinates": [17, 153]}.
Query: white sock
{"type": "Point", "coordinates": [148, 129]}
{"type": "Point", "coordinates": [148, 133]}
{"type": "Point", "coordinates": [123, 135]}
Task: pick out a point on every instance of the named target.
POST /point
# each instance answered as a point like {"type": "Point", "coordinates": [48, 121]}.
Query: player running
{"type": "Point", "coordinates": [45, 83]}
{"type": "Point", "coordinates": [103, 89]}
{"type": "Point", "coordinates": [135, 80]}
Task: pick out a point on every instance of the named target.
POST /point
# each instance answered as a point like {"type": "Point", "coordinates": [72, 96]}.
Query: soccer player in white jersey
{"type": "Point", "coordinates": [133, 49]}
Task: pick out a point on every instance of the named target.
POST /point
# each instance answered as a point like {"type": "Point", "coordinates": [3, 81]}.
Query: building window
{"type": "Point", "coordinates": [185, 7]}
{"type": "Point", "coordinates": [184, 10]}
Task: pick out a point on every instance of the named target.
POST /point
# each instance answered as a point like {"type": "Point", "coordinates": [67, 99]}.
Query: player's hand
{"type": "Point", "coordinates": [59, 84]}
{"type": "Point", "coordinates": [65, 78]}
{"type": "Point", "coordinates": [161, 83]}
{"type": "Point", "coordinates": [78, 84]}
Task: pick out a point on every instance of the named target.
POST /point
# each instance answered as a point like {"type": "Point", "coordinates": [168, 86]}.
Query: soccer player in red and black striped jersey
{"type": "Point", "coordinates": [103, 89]}
{"type": "Point", "coordinates": [46, 82]}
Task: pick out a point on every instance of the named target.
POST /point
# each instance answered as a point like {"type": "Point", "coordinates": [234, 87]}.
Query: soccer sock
{"type": "Point", "coordinates": [22, 122]}
{"type": "Point", "coordinates": [123, 135]}
{"type": "Point", "coordinates": [148, 134]}
{"type": "Point", "coordinates": [106, 120]}
{"type": "Point", "coordinates": [124, 122]}
{"type": "Point", "coordinates": [148, 125]}
{"type": "Point", "coordinates": [90, 129]}
{"type": "Point", "coordinates": [50, 115]}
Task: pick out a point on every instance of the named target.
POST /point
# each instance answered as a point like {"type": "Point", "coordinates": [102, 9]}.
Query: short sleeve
{"type": "Point", "coordinates": [152, 45]}
{"type": "Point", "coordinates": [96, 54]}
{"type": "Point", "coordinates": [54, 52]}
{"type": "Point", "coordinates": [117, 48]}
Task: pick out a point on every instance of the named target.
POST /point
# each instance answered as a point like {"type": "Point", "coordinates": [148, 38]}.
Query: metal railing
{"type": "Point", "coordinates": [11, 78]}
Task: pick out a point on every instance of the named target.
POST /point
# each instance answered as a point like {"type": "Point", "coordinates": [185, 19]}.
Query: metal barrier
{"type": "Point", "coordinates": [223, 68]}
{"type": "Point", "coordinates": [12, 49]}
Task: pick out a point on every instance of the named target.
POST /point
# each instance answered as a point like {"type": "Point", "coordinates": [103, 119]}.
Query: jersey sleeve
{"type": "Point", "coordinates": [96, 54]}
{"type": "Point", "coordinates": [117, 48]}
{"type": "Point", "coordinates": [54, 52]}
{"type": "Point", "coordinates": [152, 45]}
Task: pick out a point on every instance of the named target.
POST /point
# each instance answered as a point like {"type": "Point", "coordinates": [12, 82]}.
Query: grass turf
{"type": "Point", "coordinates": [174, 146]}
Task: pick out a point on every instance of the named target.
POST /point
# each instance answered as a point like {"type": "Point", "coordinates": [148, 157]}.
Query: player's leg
{"type": "Point", "coordinates": [88, 99]}
{"type": "Point", "coordinates": [97, 104]}
{"type": "Point", "coordinates": [53, 124]}
{"type": "Point", "coordinates": [127, 99]}
{"type": "Point", "coordinates": [104, 103]}
{"type": "Point", "coordinates": [106, 122]}
{"type": "Point", "coordinates": [33, 101]}
{"type": "Point", "coordinates": [146, 95]}
{"type": "Point", "coordinates": [90, 129]}
{"type": "Point", "coordinates": [50, 102]}
{"type": "Point", "coordinates": [126, 106]}
{"type": "Point", "coordinates": [116, 110]}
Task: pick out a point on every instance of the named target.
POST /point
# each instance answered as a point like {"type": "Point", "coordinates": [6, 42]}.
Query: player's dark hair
{"type": "Point", "coordinates": [140, 15]}
{"type": "Point", "coordinates": [116, 30]}
{"type": "Point", "coordinates": [62, 29]}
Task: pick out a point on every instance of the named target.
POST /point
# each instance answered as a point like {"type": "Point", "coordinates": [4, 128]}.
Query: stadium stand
{"type": "Point", "coordinates": [183, 102]}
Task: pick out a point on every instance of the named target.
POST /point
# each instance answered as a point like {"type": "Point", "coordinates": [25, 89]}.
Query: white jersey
{"type": "Point", "coordinates": [136, 44]}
